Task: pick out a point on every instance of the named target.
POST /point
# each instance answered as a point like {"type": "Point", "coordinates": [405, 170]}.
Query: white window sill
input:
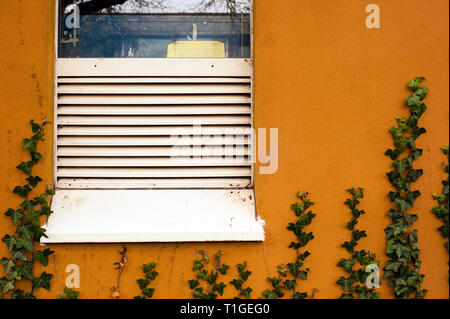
{"type": "Point", "coordinates": [111, 216]}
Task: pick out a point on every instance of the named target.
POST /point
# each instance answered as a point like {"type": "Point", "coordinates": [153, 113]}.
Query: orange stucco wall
{"type": "Point", "coordinates": [330, 85]}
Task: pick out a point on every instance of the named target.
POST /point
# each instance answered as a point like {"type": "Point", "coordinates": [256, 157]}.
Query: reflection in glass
{"type": "Point", "coordinates": [154, 28]}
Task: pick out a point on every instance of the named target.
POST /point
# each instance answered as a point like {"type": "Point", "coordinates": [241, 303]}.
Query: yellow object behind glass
{"type": "Point", "coordinates": [196, 49]}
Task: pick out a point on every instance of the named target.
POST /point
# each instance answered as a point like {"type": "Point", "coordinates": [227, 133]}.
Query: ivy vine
{"type": "Point", "coordinates": [69, 293]}
{"type": "Point", "coordinates": [212, 288]}
{"type": "Point", "coordinates": [282, 282]}
{"type": "Point", "coordinates": [150, 275]}
{"type": "Point", "coordinates": [21, 245]}
{"type": "Point", "coordinates": [238, 283]}
{"type": "Point", "coordinates": [441, 211]}
{"type": "Point", "coordinates": [403, 267]}
{"type": "Point", "coordinates": [363, 257]}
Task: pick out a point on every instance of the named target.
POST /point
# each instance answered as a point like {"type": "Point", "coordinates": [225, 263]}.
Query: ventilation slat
{"type": "Point", "coordinates": [150, 162]}
{"type": "Point", "coordinates": [151, 131]}
{"type": "Point", "coordinates": [172, 89]}
{"type": "Point", "coordinates": [115, 183]}
{"type": "Point", "coordinates": [154, 120]}
{"type": "Point", "coordinates": [155, 172]}
{"type": "Point", "coordinates": [151, 80]}
{"type": "Point", "coordinates": [154, 110]}
{"type": "Point", "coordinates": [152, 99]}
{"type": "Point", "coordinates": [140, 127]}
{"type": "Point", "coordinates": [152, 140]}
{"type": "Point", "coordinates": [153, 151]}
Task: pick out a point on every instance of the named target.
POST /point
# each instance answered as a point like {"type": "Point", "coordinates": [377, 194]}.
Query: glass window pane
{"type": "Point", "coordinates": [154, 29]}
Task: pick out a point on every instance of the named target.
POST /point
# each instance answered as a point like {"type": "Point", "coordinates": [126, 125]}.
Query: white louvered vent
{"type": "Point", "coordinates": [116, 122]}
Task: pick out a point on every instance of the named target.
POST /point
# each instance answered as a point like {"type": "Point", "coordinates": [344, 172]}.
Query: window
{"type": "Point", "coordinates": [155, 29]}
{"type": "Point", "coordinates": [153, 122]}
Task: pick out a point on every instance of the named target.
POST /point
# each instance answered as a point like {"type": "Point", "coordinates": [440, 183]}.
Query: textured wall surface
{"type": "Point", "coordinates": [330, 85]}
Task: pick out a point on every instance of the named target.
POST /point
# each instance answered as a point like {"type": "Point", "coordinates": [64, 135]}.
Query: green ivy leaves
{"type": "Point", "coordinates": [441, 210]}
{"type": "Point", "coordinates": [403, 268]}
{"type": "Point", "coordinates": [69, 293]}
{"type": "Point", "coordinates": [362, 257]}
{"type": "Point", "coordinates": [20, 264]}
{"type": "Point", "coordinates": [150, 275]}
{"type": "Point", "coordinates": [280, 283]}
{"type": "Point", "coordinates": [239, 282]}
{"type": "Point", "coordinates": [213, 288]}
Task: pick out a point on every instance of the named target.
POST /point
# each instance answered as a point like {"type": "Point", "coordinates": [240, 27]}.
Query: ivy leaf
{"type": "Point", "coordinates": [151, 275]}
{"type": "Point", "coordinates": [148, 292]}
{"type": "Point", "coordinates": [34, 180]}
{"type": "Point", "coordinates": [223, 269]}
{"type": "Point", "coordinates": [347, 264]}
{"type": "Point", "coordinates": [25, 167]}
{"type": "Point", "coordinates": [362, 257]}
{"type": "Point", "coordinates": [193, 283]}
{"type": "Point", "coordinates": [237, 283]}
{"type": "Point", "coordinates": [413, 101]}
{"type": "Point", "coordinates": [351, 224]}
{"type": "Point", "coordinates": [20, 254]}
{"type": "Point", "coordinates": [27, 231]}
{"type": "Point", "coordinates": [415, 174]}
{"type": "Point", "coordinates": [393, 154]}
{"type": "Point", "coordinates": [42, 256]}
{"type": "Point", "coordinates": [303, 274]}
{"type": "Point", "coordinates": [299, 295]}
{"type": "Point", "coordinates": [22, 191]}
{"type": "Point", "coordinates": [303, 256]}
{"type": "Point", "coordinates": [357, 234]}
{"type": "Point", "coordinates": [72, 294]}
{"type": "Point", "coordinates": [247, 292]}
{"type": "Point", "coordinates": [350, 246]}
{"type": "Point", "coordinates": [269, 294]}
{"type": "Point", "coordinates": [403, 204]}
{"type": "Point", "coordinates": [8, 264]}
{"type": "Point", "coordinates": [43, 281]}
{"type": "Point", "coordinates": [294, 268]}
{"type": "Point", "coordinates": [198, 264]}
{"type": "Point", "coordinates": [20, 294]}
{"type": "Point", "coordinates": [411, 219]}
{"type": "Point", "coordinates": [289, 284]}
{"type": "Point", "coordinates": [346, 283]}
{"type": "Point", "coordinates": [219, 288]}
{"type": "Point", "coordinates": [421, 92]}
{"type": "Point", "coordinates": [211, 295]}
{"type": "Point", "coordinates": [198, 293]}
{"type": "Point", "coordinates": [444, 229]}
{"type": "Point", "coordinates": [203, 275]}
{"type": "Point", "coordinates": [401, 165]}
{"type": "Point", "coordinates": [413, 236]}
{"type": "Point", "coordinates": [26, 270]}
{"type": "Point", "coordinates": [16, 215]}
{"type": "Point", "coordinates": [245, 274]}
{"type": "Point", "coordinates": [6, 285]}
{"type": "Point", "coordinates": [27, 143]}
{"type": "Point", "coordinates": [25, 243]}
{"type": "Point", "coordinates": [415, 83]}
{"type": "Point", "coordinates": [9, 241]}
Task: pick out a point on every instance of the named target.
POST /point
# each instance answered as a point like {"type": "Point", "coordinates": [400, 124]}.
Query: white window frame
{"type": "Point", "coordinates": [250, 229]}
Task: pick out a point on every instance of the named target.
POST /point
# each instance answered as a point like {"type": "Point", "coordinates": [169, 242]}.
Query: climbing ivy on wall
{"type": "Point", "coordinates": [20, 264]}
{"type": "Point", "coordinates": [282, 283]}
{"type": "Point", "coordinates": [403, 267]}
{"type": "Point", "coordinates": [150, 275]}
{"type": "Point", "coordinates": [441, 210]}
{"type": "Point", "coordinates": [211, 288]}
{"type": "Point", "coordinates": [69, 293]}
{"type": "Point", "coordinates": [238, 283]}
{"type": "Point", "coordinates": [362, 257]}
